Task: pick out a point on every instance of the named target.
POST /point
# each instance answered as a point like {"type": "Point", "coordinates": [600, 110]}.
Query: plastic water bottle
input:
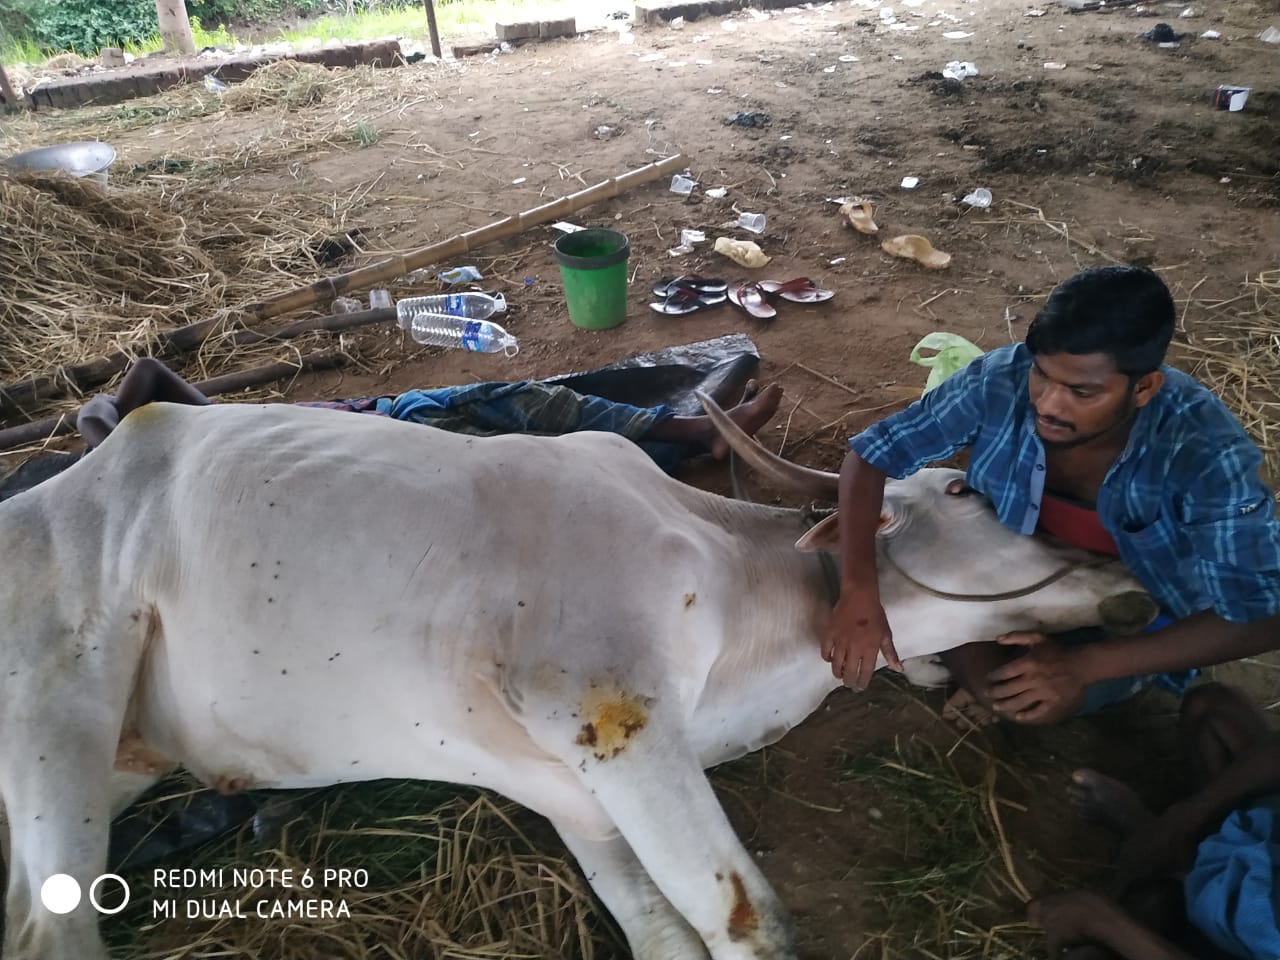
{"type": "Point", "coordinates": [469, 306]}
{"type": "Point", "coordinates": [458, 320]}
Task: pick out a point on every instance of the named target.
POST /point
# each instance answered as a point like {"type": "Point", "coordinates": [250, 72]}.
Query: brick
{"type": "Point", "coordinates": [566, 27]}
{"type": "Point", "coordinates": [510, 32]}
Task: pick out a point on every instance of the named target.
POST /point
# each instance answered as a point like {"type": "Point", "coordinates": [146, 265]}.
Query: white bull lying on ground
{"type": "Point", "coordinates": [290, 597]}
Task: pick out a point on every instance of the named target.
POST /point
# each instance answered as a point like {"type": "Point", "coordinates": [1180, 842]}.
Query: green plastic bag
{"type": "Point", "coordinates": [953, 353]}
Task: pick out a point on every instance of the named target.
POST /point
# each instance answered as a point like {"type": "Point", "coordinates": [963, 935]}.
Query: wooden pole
{"type": "Point", "coordinates": [40, 430]}
{"type": "Point", "coordinates": [59, 383]}
{"type": "Point", "coordinates": [431, 26]}
{"type": "Point", "coordinates": [384, 270]}
{"type": "Point", "coordinates": [11, 98]}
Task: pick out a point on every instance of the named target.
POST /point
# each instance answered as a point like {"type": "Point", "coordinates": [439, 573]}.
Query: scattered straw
{"type": "Point", "coordinates": [951, 883]}
{"type": "Point", "coordinates": [1233, 347]}
{"type": "Point", "coordinates": [444, 872]}
{"type": "Point", "coordinates": [93, 272]}
{"type": "Point", "coordinates": [285, 83]}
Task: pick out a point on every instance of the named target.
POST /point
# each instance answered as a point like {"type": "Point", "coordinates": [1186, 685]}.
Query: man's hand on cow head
{"type": "Point", "coordinates": [1044, 685]}
{"type": "Point", "coordinates": [857, 634]}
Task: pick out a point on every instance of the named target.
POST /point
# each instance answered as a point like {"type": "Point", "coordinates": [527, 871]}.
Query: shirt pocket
{"type": "Point", "coordinates": [1144, 530]}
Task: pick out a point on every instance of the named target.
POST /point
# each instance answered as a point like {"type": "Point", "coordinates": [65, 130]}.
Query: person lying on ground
{"type": "Point", "coordinates": [482, 409]}
{"type": "Point", "coordinates": [1202, 880]}
{"type": "Point", "coordinates": [1082, 432]}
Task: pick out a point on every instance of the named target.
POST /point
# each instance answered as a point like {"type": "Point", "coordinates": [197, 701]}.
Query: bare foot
{"type": "Point", "coordinates": [756, 409]}
{"type": "Point", "coordinates": [1102, 799]}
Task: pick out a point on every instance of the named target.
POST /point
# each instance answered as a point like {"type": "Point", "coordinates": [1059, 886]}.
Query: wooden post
{"type": "Point", "coordinates": [11, 98]}
{"type": "Point", "coordinates": [175, 27]}
{"type": "Point", "coordinates": [431, 26]}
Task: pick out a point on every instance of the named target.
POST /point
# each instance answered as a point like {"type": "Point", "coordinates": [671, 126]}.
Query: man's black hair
{"type": "Point", "coordinates": [1124, 311]}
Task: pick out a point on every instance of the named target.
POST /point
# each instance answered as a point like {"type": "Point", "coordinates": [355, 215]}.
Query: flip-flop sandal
{"type": "Point", "coordinates": [799, 290]}
{"type": "Point", "coordinates": [691, 283]}
{"type": "Point", "coordinates": [680, 303]}
{"type": "Point", "coordinates": [750, 297]}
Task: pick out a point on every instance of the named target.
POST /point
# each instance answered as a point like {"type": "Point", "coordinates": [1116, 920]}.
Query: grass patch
{"type": "Point", "coordinates": [365, 134]}
{"type": "Point", "coordinates": [448, 872]}
{"type": "Point", "coordinates": [949, 881]}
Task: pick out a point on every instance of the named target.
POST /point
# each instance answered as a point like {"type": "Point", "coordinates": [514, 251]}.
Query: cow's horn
{"type": "Point", "coordinates": [792, 476]}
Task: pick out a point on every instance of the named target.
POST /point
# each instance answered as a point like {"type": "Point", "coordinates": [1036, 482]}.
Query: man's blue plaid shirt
{"type": "Point", "coordinates": [1184, 502]}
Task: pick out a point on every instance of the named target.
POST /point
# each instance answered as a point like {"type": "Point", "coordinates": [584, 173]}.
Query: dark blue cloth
{"type": "Point", "coordinates": [1184, 502]}
{"type": "Point", "coordinates": [528, 406]}
{"type": "Point", "coordinates": [1231, 890]}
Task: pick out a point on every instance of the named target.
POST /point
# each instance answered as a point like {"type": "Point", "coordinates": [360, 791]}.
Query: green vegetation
{"type": "Point", "coordinates": [947, 871]}
{"type": "Point", "coordinates": [33, 30]}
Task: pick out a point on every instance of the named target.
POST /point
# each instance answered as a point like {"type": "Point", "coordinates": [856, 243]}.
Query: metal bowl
{"type": "Point", "coordinates": [86, 158]}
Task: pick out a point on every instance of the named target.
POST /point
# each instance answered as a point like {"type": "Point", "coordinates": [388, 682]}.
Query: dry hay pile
{"type": "Point", "coordinates": [91, 272]}
{"type": "Point", "coordinates": [1236, 352]}
{"type": "Point", "coordinates": [285, 83]}
{"type": "Point", "coordinates": [446, 873]}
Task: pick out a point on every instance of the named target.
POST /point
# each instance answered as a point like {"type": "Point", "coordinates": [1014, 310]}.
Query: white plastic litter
{"type": "Point", "coordinates": [957, 35]}
{"type": "Point", "coordinates": [682, 185]}
{"type": "Point", "coordinates": [910, 183]}
{"type": "Point", "coordinates": [689, 237]}
{"type": "Point", "coordinates": [1210, 35]}
{"type": "Point", "coordinates": [1052, 65]}
{"type": "Point", "coordinates": [959, 70]}
{"type": "Point", "coordinates": [980, 198]}
{"type": "Point", "coordinates": [717, 193]}
{"type": "Point", "coordinates": [677, 23]}
{"type": "Point", "coordinates": [1270, 35]}
{"type": "Point", "coordinates": [848, 58]}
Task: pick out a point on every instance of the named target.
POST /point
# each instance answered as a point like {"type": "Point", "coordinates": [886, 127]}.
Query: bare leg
{"type": "Point", "coordinates": [1081, 917]}
{"type": "Point", "coordinates": [1105, 800]}
{"type": "Point", "coordinates": [148, 381]}
{"type": "Point", "coordinates": [1216, 726]}
{"type": "Point", "coordinates": [755, 410]}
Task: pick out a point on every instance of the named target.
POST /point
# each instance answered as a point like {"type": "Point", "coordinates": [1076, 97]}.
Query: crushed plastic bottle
{"type": "Point", "coordinates": [458, 320]}
{"type": "Point", "coordinates": [213, 84]}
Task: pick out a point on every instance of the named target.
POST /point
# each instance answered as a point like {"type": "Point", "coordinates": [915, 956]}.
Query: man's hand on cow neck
{"type": "Point", "coordinates": [1046, 684]}
{"type": "Point", "coordinates": [856, 636]}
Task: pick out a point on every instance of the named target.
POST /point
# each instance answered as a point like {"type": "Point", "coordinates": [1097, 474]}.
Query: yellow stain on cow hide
{"type": "Point", "coordinates": [612, 718]}
{"type": "Point", "coordinates": [743, 921]}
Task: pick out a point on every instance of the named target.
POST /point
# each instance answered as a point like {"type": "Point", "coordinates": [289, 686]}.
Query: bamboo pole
{"type": "Point", "coordinates": [384, 270]}
{"type": "Point", "coordinates": [41, 430]}
{"type": "Point", "coordinates": [59, 383]}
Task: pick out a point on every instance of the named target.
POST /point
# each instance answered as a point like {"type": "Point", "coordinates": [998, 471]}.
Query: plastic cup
{"type": "Point", "coordinates": [752, 221]}
{"type": "Point", "coordinates": [682, 185]}
{"type": "Point", "coordinates": [593, 265]}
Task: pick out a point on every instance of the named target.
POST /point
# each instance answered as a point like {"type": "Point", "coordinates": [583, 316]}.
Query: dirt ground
{"type": "Point", "coordinates": [1118, 157]}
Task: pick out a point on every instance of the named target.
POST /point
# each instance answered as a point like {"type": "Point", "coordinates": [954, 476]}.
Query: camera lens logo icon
{"type": "Point", "coordinates": [61, 893]}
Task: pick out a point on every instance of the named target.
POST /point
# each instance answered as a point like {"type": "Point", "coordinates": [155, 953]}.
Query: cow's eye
{"type": "Point", "coordinates": [958, 488]}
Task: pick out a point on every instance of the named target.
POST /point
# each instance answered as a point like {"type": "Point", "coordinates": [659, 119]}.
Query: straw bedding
{"type": "Point", "coordinates": [93, 272]}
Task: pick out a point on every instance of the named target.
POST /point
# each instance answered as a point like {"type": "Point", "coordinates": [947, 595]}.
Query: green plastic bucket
{"type": "Point", "coordinates": [593, 264]}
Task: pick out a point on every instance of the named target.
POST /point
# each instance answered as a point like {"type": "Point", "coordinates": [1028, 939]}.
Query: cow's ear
{"type": "Point", "coordinates": [823, 536]}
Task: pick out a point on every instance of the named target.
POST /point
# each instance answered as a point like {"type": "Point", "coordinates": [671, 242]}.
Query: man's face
{"type": "Point", "coordinates": [1083, 397]}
